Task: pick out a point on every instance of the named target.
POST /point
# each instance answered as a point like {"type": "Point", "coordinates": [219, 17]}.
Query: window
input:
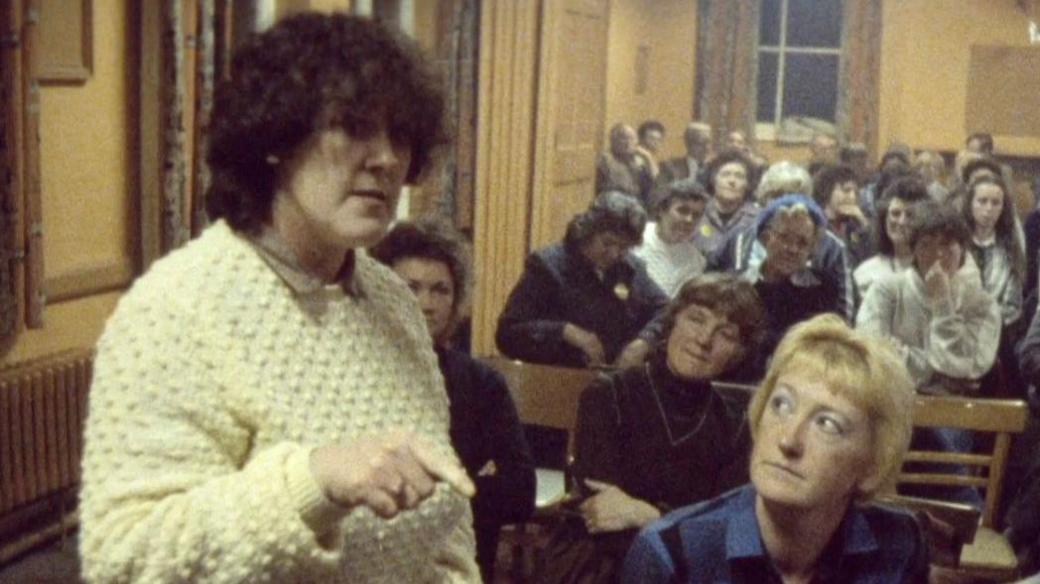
{"type": "Point", "coordinates": [799, 48]}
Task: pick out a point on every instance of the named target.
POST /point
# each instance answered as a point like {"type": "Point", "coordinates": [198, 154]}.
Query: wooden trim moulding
{"type": "Point", "coordinates": [85, 281]}
{"type": "Point", "coordinates": [71, 68]}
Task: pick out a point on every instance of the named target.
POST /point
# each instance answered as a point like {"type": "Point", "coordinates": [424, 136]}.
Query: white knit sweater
{"type": "Point", "coordinates": [213, 383]}
{"type": "Point", "coordinates": [670, 265]}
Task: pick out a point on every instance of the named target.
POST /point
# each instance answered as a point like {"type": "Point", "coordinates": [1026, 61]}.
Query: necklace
{"type": "Point", "coordinates": [664, 416]}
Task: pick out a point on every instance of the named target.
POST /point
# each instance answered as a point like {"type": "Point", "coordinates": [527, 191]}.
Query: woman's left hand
{"type": "Point", "coordinates": [611, 509]}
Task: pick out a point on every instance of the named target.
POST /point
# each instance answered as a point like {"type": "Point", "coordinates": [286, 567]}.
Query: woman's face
{"type": "Point", "coordinates": [604, 249]}
{"type": "Point", "coordinates": [434, 288]}
{"type": "Point", "coordinates": [341, 190]}
{"type": "Point", "coordinates": [813, 446]}
{"type": "Point", "coordinates": [789, 241]}
{"type": "Point", "coordinates": [702, 344]}
{"type": "Point", "coordinates": [932, 249]}
{"type": "Point", "coordinates": [843, 195]}
{"type": "Point", "coordinates": [677, 224]}
{"type": "Point", "coordinates": [731, 182]}
{"type": "Point", "coordinates": [897, 220]}
{"type": "Point", "coordinates": [986, 206]}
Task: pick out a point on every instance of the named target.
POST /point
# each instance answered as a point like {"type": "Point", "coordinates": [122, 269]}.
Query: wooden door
{"type": "Point", "coordinates": [573, 74]}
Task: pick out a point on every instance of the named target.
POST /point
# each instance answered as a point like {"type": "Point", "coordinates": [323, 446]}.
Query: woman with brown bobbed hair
{"type": "Point", "coordinates": [659, 436]}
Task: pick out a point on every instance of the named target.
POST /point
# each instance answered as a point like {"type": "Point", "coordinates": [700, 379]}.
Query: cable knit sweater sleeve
{"type": "Point", "coordinates": [196, 462]}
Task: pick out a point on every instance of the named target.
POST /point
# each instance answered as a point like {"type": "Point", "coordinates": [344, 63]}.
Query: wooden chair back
{"type": "Point", "coordinates": [988, 556]}
{"type": "Point", "coordinates": [545, 395]}
{"type": "Point", "coordinates": [1000, 417]}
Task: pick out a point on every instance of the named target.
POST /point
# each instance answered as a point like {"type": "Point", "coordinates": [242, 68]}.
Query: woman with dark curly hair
{"type": "Point", "coordinates": [586, 301]}
{"type": "Point", "coordinates": [431, 257]}
{"type": "Point", "coordinates": [266, 404]}
{"type": "Point", "coordinates": [728, 180]}
{"type": "Point", "coordinates": [659, 436]}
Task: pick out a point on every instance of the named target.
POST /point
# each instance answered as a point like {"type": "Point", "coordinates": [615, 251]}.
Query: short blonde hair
{"type": "Point", "coordinates": [864, 369]}
{"type": "Point", "coordinates": [781, 178]}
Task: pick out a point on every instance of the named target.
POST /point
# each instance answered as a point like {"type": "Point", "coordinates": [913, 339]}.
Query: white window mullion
{"type": "Point", "coordinates": [781, 59]}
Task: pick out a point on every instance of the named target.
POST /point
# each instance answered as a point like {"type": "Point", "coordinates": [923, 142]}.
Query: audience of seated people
{"type": "Point", "coordinates": [659, 436]}
{"type": "Point", "coordinates": [933, 264]}
{"type": "Point", "coordinates": [668, 249]}
{"type": "Point", "coordinates": [485, 430]}
{"type": "Point", "coordinates": [586, 301]}
{"type": "Point", "coordinates": [829, 259]}
{"type": "Point", "coordinates": [626, 167]}
{"type": "Point", "coordinates": [830, 423]}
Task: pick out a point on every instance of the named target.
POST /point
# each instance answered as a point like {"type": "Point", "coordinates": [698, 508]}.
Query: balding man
{"type": "Point", "coordinates": [622, 168]}
{"type": "Point", "coordinates": [697, 138]}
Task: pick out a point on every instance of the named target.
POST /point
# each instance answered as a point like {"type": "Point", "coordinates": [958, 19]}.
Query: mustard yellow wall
{"type": "Point", "coordinates": [87, 186]}
{"type": "Point", "coordinates": [925, 57]}
{"type": "Point", "coordinates": [669, 29]}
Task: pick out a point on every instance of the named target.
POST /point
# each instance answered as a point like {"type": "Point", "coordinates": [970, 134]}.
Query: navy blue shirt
{"type": "Point", "coordinates": [718, 541]}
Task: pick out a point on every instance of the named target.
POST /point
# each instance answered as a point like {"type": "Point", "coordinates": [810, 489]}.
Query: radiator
{"type": "Point", "coordinates": [42, 408]}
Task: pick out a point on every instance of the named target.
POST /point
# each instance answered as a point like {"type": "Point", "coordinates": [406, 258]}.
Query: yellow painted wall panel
{"type": "Point", "coordinates": [85, 155]}
{"type": "Point", "coordinates": [668, 30]}
{"type": "Point", "coordinates": [926, 53]}
{"type": "Point", "coordinates": [73, 324]}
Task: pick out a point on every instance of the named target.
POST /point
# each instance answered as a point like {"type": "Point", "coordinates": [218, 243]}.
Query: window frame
{"type": "Point", "coordinates": [770, 130]}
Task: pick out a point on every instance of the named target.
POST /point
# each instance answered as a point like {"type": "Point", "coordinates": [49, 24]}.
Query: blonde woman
{"type": "Point", "coordinates": [831, 425]}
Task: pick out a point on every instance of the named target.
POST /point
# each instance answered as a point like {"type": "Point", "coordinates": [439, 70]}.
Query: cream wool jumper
{"type": "Point", "coordinates": [213, 383]}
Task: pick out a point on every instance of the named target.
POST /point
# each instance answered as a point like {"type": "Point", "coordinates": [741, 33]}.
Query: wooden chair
{"type": "Point", "coordinates": [988, 556]}
{"type": "Point", "coordinates": [547, 396]}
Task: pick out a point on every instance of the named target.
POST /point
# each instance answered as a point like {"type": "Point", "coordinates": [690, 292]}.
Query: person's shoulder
{"type": "Point", "coordinates": [703, 517]}
{"type": "Point", "coordinates": [212, 265]}
{"type": "Point", "coordinates": [887, 520]}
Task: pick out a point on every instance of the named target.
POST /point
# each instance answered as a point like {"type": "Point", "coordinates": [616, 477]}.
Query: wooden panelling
{"type": "Point", "coordinates": [508, 64]}
{"type": "Point", "coordinates": [570, 114]}
{"type": "Point", "coordinates": [66, 43]}
{"type": "Point", "coordinates": [87, 280]}
{"type": "Point", "coordinates": [1013, 111]}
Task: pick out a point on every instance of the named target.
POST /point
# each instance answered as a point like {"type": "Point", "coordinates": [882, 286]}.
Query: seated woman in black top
{"type": "Point", "coordinates": [586, 301]}
{"type": "Point", "coordinates": [485, 429]}
{"type": "Point", "coordinates": [658, 436]}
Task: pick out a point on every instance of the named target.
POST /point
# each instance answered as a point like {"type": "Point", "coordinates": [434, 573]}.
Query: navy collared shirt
{"type": "Point", "coordinates": [718, 541]}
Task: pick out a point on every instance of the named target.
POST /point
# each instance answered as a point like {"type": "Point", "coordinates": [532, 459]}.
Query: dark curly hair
{"type": "Point", "coordinates": [429, 238]}
{"type": "Point", "coordinates": [830, 176]}
{"type": "Point", "coordinates": [908, 188]}
{"type": "Point", "coordinates": [308, 73]}
{"type": "Point", "coordinates": [611, 211]}
{"type": "Point", "coordinates": [933, 218]}
{"type": "Point", "coordinates": [723, 159]}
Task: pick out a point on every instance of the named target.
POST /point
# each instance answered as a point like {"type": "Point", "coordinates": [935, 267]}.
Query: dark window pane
{"type": "Point", "coordinates": [767, 66]}
{"type": "Point", "coordinates": [814, 23]}
{"type": "Point", "coordinates": [810, 86]}
{"type": "Point", "coordinates": [769, 24]}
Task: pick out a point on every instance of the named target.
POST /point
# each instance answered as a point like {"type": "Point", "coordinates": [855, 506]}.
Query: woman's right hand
{"type": "Point", "coordinates": [585, 341]}
{"type": "Point", "coordinates": [388, 473]}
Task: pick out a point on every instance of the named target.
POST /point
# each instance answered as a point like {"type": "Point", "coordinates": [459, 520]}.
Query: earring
{"type": "Point", "coordinates": [272, 160]}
